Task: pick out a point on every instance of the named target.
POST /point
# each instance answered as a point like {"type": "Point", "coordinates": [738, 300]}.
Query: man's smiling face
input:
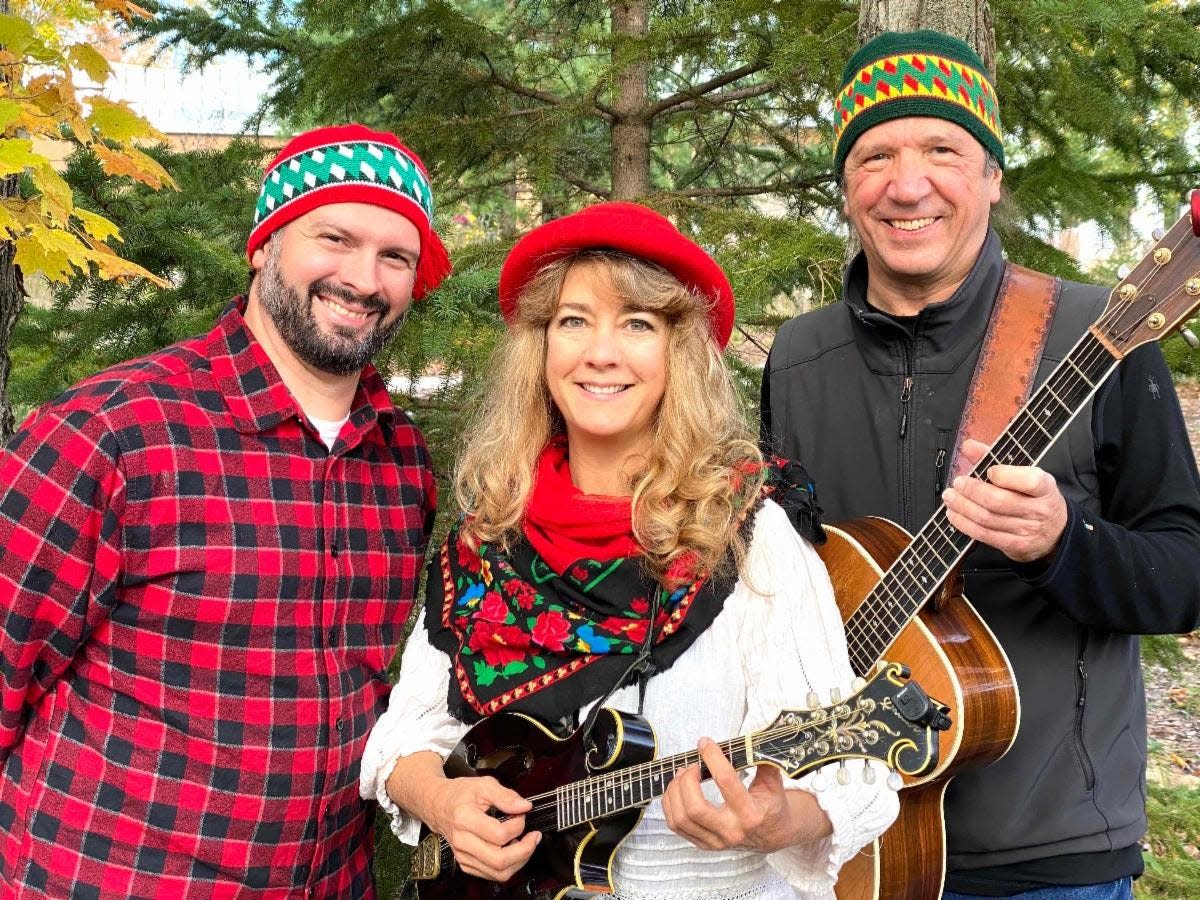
{"type": "Point", "coordinates": [336, 282]}
{"type": "Point", "coordinates": [919, 193]}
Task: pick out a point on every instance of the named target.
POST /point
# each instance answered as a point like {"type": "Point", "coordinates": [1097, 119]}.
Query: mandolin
{"type": "Point", "coordinates": [589, 791]}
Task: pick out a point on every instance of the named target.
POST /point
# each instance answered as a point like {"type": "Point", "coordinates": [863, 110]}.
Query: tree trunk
{"type": "Point", "coordinates": [970, 20]}
{"type": "Point", "coordinates": [631, 126]}
{"type": "Point", "coordinates": [12, 301]}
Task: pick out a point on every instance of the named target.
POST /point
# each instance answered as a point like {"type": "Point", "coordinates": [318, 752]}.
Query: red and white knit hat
{"type": "Point", "coordinates": [351, 164]}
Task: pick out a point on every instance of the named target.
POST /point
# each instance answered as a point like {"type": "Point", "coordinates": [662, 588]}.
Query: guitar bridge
{"type": "Point", "coordinates": [427, 859]}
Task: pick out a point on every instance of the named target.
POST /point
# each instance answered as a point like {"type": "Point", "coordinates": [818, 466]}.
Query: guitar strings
{"type": "Point", "coordinates": [1025, 430]}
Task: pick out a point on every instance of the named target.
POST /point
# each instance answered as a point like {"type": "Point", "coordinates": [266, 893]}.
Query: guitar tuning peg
{"type": "Point", "coordinates": [1158, 234]}
{"type": "Point", "coordinates": [843, 777]}
{"type": "Point", "coordinates": [835, 695]}
{"type": "Point", "coordinates": [813, 700]}
{"type": "Point", "coordinates": [857, 685]}
{"type": "Point", "coordinates": [1190, 338]}
{"type": "Point", "coordinates": [868, 772]}
{"type": "Point", "coordinates": [1123, 272]}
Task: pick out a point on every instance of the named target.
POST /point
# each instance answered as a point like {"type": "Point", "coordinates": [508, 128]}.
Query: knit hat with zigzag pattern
{"type": "Point", "coordinates": [915, 73]}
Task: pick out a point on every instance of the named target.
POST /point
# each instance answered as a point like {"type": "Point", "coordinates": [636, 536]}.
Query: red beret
{"type": "Point", "coordinates": [629, 228]}
{"type": "Point", "coordinates": [351, 164]}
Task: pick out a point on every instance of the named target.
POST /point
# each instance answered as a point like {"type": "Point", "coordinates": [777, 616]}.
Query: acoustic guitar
{"type": "Point", "coordinates": [898, 597]}
{"type": "Point", "coordinates": [589, 791]}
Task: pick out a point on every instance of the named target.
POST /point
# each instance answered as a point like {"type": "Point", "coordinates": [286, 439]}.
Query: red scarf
{"type": "Point", "coordinates": [565, 525]}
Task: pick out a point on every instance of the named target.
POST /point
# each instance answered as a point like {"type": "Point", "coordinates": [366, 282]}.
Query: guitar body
{"type": "Point", "coordinates": [952, 652]}
{"type": "Point", "coordinates": [523, 755]}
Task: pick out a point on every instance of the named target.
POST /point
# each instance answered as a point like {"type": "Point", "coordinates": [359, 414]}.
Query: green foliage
{"type": "Point", "coordinates": [515, 108]}
{"type": "Point", "coordinates": [1172, 866]}
{"type": "Point", "coordinates": [1162, 650]}
{"type": "Point", "coordinates": [195, 237]}
{"type": "Point", "coordinates": [1183, 361]}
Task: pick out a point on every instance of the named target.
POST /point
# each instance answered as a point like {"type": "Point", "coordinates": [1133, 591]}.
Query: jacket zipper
{"type": "Point", "coordinates": [906, 391]}
{"type": "Point", "coordinates": [939, 473]}
{"type": "Point", "coordinates": [1085, 760]}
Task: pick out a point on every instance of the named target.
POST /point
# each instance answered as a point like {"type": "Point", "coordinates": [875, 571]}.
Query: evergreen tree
{"type": "Point", "coordinates": [194, 237]}
{"type": "Point", "coordinates": [715, 112]}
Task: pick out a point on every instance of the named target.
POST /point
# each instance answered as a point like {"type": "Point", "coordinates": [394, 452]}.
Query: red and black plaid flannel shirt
{"type": "Point", "coordinates": [198, 603]}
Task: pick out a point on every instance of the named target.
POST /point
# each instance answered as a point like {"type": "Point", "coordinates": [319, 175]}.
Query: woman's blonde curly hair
{"type": "Point", "coordinates": [689, 490]}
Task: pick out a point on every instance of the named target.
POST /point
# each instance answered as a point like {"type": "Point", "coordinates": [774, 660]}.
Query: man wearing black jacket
{"type": "Point", "coordinates": [1076, 556]}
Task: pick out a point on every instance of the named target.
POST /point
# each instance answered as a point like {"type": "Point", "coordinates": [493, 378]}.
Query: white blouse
{"type": "Point", "coordinates": [778, 636]}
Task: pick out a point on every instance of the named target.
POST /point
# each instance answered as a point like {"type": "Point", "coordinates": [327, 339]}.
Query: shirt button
{"type": "Point", "coordinates": [333, 637]}
{"type": "Point", "coordinates": [340, 726]}
{"type": "Point", "coordinates": [333, 550]}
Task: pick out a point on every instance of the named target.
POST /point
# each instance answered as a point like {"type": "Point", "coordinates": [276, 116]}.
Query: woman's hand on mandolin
{"type": "Point", "coordinates": [763, 817]}
{"type": "Point", "coordinates": [459, 810]}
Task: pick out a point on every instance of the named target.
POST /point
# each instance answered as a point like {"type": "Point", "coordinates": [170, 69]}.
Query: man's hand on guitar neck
{"type": "Point", "coordinates": [1019, 510]}
{"type": "Point", "coordinates": [764, 817]}
{"type": "Point", "coordinates": [459, 810]}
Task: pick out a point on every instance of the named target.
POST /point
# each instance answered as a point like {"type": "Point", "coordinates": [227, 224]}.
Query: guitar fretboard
{"type": "Point", "coordinates": [920, 570]}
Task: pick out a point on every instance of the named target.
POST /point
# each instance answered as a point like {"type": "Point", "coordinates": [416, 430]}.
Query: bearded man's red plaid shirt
{"type": "Point", "coordinates": [198, 603]}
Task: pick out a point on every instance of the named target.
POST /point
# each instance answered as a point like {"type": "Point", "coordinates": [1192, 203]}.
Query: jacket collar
{"type": "Point", "coordinates": [255, 394]}
{"type": "Point", "coordinates": [942, 333]}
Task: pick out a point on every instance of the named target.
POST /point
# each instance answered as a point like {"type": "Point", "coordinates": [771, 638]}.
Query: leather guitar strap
{"type": "Point", "coordinates": [1004, 373]}
{"type": "Point", "coordinates": [1008, 360]}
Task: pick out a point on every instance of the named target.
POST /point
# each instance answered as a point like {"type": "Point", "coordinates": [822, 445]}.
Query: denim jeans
{"type": "Point", "coordinates": [1121, 889]}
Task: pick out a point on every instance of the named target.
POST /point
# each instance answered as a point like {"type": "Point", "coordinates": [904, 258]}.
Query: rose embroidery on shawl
{"type": "Point", "coordinates": [551, 629]}
{"type": "Point", "coordinates": [499, 644]}
{"type": "Point", "coordinates": [493, 608]}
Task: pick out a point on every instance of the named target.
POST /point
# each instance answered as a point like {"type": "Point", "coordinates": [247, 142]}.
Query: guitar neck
{"type": "Point", "coordinates": [938, 547]}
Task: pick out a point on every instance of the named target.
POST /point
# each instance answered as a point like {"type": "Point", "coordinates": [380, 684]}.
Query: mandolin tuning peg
{"type": "Point", "coordinates": [894, 781]}
{"type": "Point", "coordinates": [1123, 272]}
{"type": "Point", "coordinates": [868, 772]}
{"type": "Point", "coordinates": [835, 695]}
{"type": "Point", "coordinates": [1157, 235]}
{"type": "Point", "coordinates": [857, 685]}
{"type": "Point", "coordinates": [814, 702]}
{"type": "Point", "coordinates": [1189, 337]}
{"type": "Point", "coordinates": [843, 777]}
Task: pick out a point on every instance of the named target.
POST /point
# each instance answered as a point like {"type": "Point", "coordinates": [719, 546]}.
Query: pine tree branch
{"type": "Point", "coordinates": [694, 93]}
{"type": "Point", "coordinates": [782, 186]}
{"type": "Point", "coordinates": [725, 97]}
{"type": "Point", "coordinates": [593, 189]}
{"type": "Point", "coordinates": [598, 109]}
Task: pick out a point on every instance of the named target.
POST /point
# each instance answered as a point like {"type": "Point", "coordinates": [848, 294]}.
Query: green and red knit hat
{"type": "Point", "coordinates": [915, 73]}
{"type": "Point", "coordinates": [351, 164]}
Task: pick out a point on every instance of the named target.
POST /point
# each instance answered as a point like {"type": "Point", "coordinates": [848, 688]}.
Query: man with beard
{"type": "Point", "coordinates": [206, 559]}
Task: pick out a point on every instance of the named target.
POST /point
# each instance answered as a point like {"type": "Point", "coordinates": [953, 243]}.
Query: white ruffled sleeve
{"type": "Point", "coordinates": [794, 643]}
{"type": "Point", "coordinates": [417, 719]}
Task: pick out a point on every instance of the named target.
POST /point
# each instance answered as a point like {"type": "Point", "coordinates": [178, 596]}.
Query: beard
{"type": "Point", "coordinates": [341, 351]}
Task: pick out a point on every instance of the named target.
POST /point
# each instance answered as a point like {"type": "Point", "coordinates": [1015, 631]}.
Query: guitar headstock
{"type": "Point", "coordinates": [889, 719]}
{"type": "Point", "coordinates": [1160, 294]}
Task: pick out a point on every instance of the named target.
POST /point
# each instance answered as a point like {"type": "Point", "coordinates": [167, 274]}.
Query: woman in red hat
{"type": "Point", "coordinates": [622, 533]}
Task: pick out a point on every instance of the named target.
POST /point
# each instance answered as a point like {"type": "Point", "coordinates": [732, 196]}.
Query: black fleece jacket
{"type": "Point", "coordinates": [871, 405]}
